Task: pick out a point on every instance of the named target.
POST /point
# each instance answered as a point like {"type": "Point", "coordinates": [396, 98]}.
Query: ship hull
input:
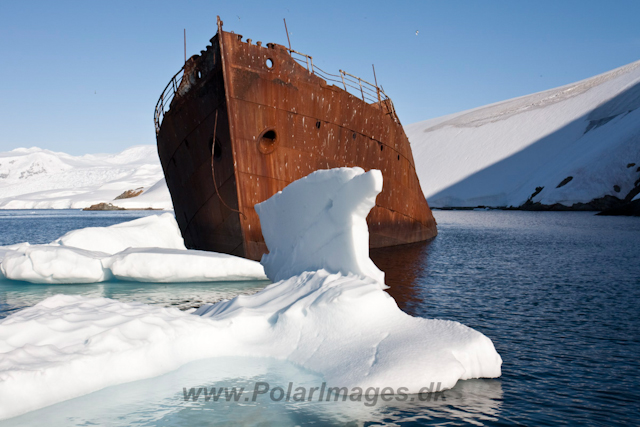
{"type": "Point", "coordinates": [247, 120]}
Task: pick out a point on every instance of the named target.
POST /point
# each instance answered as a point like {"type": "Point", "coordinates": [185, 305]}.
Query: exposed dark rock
{"type": "Point", "coordinates": [535, 193]}
{"type": "Point", "coordinates": [455, 208]}
{"type": "Point", "coordinates": [130, 193]}
{"type": "Point", "coordinates": [103, 207]}
{"type": "Point", "coordinates": [627, 209]}
{"type": "Point", "coordinates": [630, 165]}
{"type": "Point", "coordinates": [565, 181]}
{"type": "Point", "coordinates": [598, 204]}
{"type": "Point", "coordinates": [633, 193]}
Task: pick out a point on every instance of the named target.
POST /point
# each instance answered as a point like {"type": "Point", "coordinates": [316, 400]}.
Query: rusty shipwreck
{"type": "Point", "coordinates": [242, 120]}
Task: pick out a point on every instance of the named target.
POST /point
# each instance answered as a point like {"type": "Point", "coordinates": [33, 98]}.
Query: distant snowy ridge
{"type": "Point", "coordinates": [34, 178]}
{"type": "Point", "coordinates": [568, 145]}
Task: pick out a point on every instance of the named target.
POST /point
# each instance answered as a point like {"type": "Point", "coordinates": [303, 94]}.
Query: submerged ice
{"type": "Point", "coordinates": [337, 321]}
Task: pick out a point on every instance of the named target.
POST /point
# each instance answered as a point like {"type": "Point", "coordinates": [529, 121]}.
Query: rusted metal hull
{"type": "Point", "coordinates": [247, 120]}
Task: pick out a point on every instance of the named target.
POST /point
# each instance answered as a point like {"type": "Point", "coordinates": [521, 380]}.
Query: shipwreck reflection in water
{"type": "Point", "coordinates": [403, 267]}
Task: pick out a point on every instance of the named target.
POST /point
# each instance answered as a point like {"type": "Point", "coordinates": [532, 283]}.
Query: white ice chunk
{"type": "Point", "coordinates": [175, 265]}
{"type": "Point", "coordinates": [52, 264]}
{"type": "Point", "coordinates": [351, 331]}
{"type": "Point", "coordinates": [159, 231]}
{"type": "Point", "coordinates": [343, 326]}
{"type": "Point", "coordinates": [148, 249]}
{"type": "Point", "coordinates": [320, 221]}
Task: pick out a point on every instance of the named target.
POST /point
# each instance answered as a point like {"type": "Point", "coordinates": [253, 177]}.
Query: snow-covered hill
{"type": "Point", "coordinates": [33, 178]}
{"type": "Point", "coordinates": [576, 143]}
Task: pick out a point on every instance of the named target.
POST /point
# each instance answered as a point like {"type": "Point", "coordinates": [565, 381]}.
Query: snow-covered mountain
{"type": "Point", "coordinates": [33, 178]}
{"type": "Point", "coordinates": [572, 144]}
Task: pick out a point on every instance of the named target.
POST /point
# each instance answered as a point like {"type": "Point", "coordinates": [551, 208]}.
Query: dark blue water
{"type": "Point", "coordinates": [558, 293]}
{"type": "Point", "coordinates": [45, 225]}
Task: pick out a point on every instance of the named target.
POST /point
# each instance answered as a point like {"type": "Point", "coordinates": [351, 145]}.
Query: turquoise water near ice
{"type": "Point", "coordinates": [557, 292]}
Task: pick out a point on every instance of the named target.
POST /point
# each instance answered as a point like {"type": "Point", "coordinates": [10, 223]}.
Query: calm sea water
{"type": "Point", "coordinates": [558, 293]}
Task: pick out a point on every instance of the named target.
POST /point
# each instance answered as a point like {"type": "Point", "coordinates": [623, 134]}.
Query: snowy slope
{"type": "Point", "coordinates": [34, 178]}
{"type": "Point", "coordinates": [499, 154]}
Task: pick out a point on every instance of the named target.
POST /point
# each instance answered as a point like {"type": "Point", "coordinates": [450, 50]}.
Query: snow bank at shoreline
{"type": "Point", "coordinates": [342, 325]}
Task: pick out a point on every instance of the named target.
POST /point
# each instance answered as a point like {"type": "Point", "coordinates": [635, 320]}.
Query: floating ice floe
{"type": "Point", "coordinates": [148, 249]}
{"type": "Point", "coordinates": [176, 265]}
{"type": "Point", "coordinates": [337, 321]}
{"type": "Point", "coordinates": [160, 231]}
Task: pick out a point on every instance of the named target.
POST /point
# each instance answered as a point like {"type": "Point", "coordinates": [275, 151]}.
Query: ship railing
{"type": "Point", "coordinates": [356, 86]}
{"type": "Point", "coordinates": [368, 92]}
{"type": "Point", "coordinates": [164, 103]}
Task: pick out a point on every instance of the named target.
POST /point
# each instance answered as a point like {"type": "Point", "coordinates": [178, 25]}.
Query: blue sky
{"type": "Point", "coordinates": [84, 77]}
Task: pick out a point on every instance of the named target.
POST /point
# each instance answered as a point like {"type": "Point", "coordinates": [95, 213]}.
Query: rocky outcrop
{"type": "Point", "coordinates": [627, 209]}
{"type": "Point", "coordinates": [103, 207]}
{"type": "Point", "coordinates": [599, 204]}
{"type": "Point", "coordinates": [130, 193]}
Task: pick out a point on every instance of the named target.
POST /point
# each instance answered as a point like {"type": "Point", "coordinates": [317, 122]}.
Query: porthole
{"type": "Point", "coordinates": [398, 156]}
{"type": "Point", "coordinates": [267, 141]}
{"type": "Point", "coordinates": [199, 74]}
{"type": "Point", "coordinates": [269, 63]}
{"type": "Point", "coordinates": [318, 124]}
{"type": "Point", "coordinates": [381, 147]}
{"type": "Point", "coordinates": [354, 135]}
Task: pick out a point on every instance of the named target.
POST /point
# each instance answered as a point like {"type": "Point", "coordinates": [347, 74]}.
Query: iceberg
{"type": "Point", "coordinates": [51, 264]}
{"type": "Point", "coordinates": [325, 215]}
{"type": "Point", "coordinates": [159, 231]}
{"type": "Point", "coordinates": [336, 321]}
{"type": "Point", "coordinates": [148, 249]}
{"type": "Point", "coordinates": [161, 265]}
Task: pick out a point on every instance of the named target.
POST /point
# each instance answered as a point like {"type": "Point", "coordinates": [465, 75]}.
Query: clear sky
{"type": "Point", "coordinates": [84, 76]}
